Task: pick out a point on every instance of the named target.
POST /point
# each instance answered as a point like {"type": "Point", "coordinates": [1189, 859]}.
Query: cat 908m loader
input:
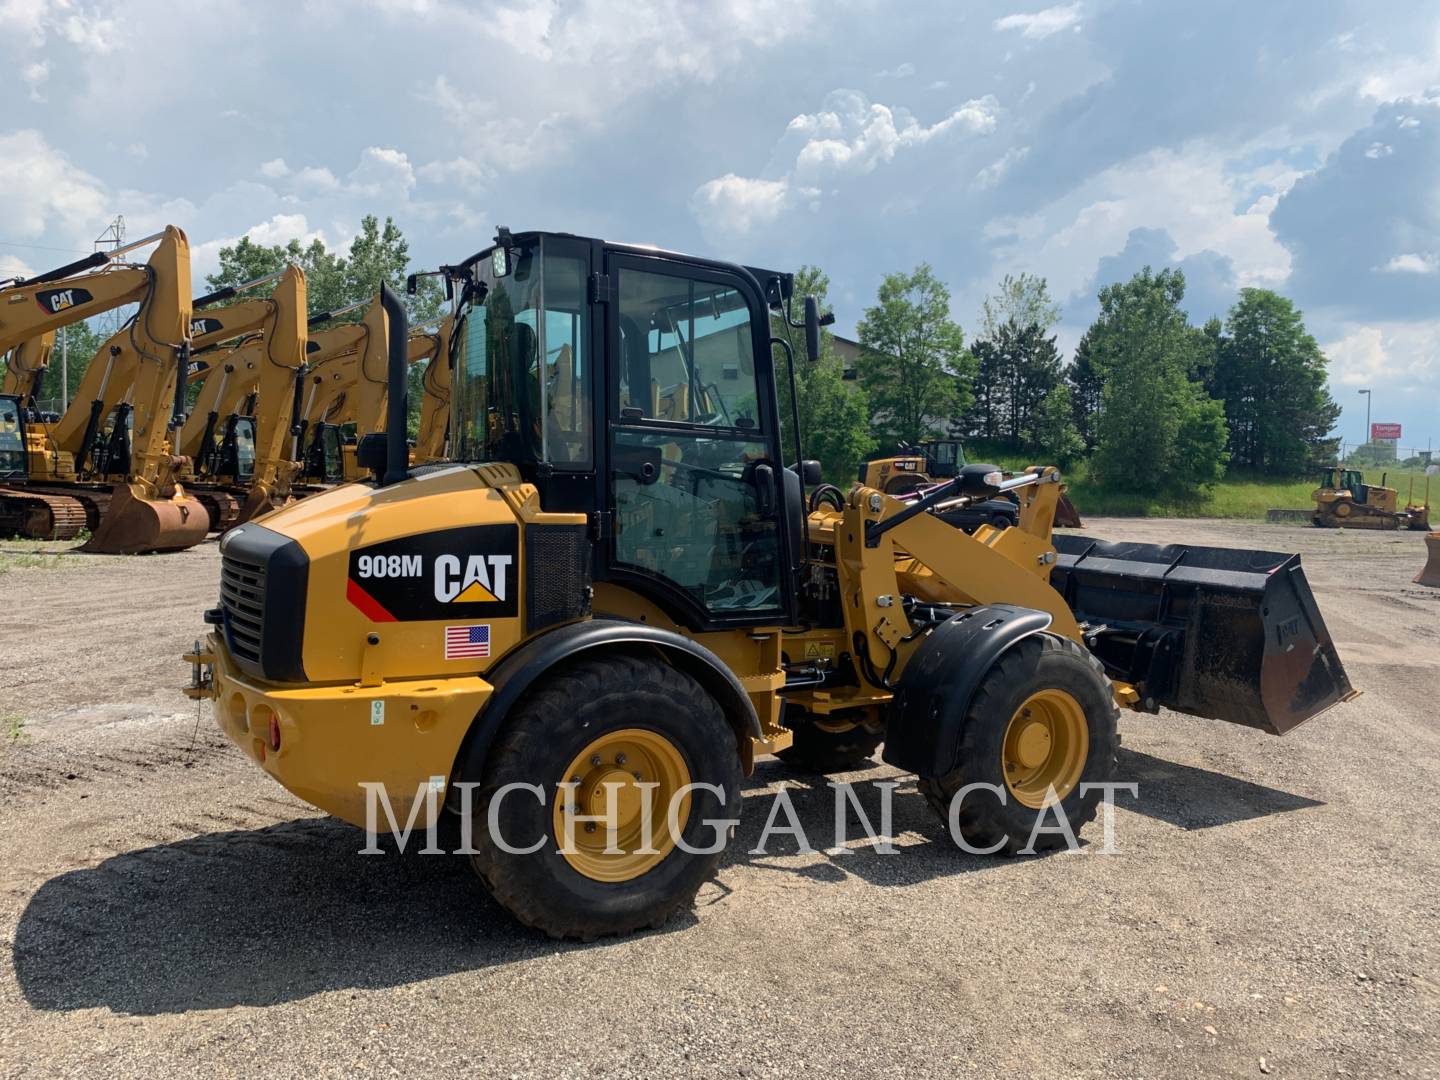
{"type": "Point", "coordinates": [579, 633]}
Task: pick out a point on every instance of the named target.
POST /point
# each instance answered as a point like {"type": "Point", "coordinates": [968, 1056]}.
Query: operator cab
{"type": "Point", "coordinates": [636, 386]}
{"type": "Point", "coordinates": [13, 465]}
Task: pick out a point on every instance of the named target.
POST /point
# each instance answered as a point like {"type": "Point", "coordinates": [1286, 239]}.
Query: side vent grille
{"type": "Point", "coordinates": [242, 596]}
{"type": "Point", "coordinates": [557, 574]}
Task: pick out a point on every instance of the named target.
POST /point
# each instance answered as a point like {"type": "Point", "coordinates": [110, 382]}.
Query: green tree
{"type": "Point", "coordinates": [834, 414]}
{"type": "Point", "coordinates": [1023, 299]}
{"type": "Point", "coordinates": [1050, 430]}
{"type": "Point", "coordinates": [1015, 369]}
{"type": "Point", "coordinates": [1158, 430]}
{"type": "Point", "coordinates": [1271, 375]}
{"type": "Point", "coordinates": [913, 363]}
{"type": "Point", "coordinates": [1087, 391]}
{"type": "Point", "coordinates": [377, 253]}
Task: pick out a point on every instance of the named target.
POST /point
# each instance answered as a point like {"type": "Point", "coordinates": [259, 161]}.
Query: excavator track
{"type": "Point", "coordinates": [37, 516]}
{"type": "Point", "coordinates": [93, 500]}
{"type": "Point", "coordinates": [222, 506]}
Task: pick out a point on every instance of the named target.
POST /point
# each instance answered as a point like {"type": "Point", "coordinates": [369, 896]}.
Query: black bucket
{"type": "Point", "coordinates": [1225, 633]}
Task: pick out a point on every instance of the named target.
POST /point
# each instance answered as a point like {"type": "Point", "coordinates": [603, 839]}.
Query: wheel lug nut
{"type": "Point", "coordinates": [590, 826]}
{"type": "Point", "coordinates": [594, 759]}
{"type": "Point", "coordinates": [619, 759]}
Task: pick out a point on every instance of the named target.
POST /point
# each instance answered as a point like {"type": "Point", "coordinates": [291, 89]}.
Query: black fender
{"type": "Point", "coordinates": [520, 669]}
{"type": "Point", "coordinates": [922, 732]}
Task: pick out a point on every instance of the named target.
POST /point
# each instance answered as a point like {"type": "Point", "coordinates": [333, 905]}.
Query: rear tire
{"type": "Point", "coordinates": [1039, 669]}
{"type": "Point", "coordinates": [673, 731]}
{"type": "Point", "coordinates": [820, 751]}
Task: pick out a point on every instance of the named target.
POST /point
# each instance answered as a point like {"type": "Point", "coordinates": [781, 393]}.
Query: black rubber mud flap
{"type": "Point", "coordinates": [923, 731]}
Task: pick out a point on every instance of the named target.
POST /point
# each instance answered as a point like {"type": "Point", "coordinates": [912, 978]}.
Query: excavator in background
{"type": "Point", "coordinates": [25, 369]}
{"type": "Point", "coordinates": [908, 474]}
{"type": "Point", "coordinates": [66, 476]}
{"type": "Point", "coordinates": [247, 395]}
{"type": "Point", "coordinates": [433, 435]}
{"type": "Point", "coordinates": [1344, 501]}
{"type": "Point", "coordinates": [345, 384]}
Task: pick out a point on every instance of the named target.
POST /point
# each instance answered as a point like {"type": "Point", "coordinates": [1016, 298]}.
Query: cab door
{"type": "Point", "coordinates": [695, 487]}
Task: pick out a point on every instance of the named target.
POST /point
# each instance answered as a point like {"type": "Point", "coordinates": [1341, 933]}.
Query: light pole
{"type": "Point", "coordinates": [1368, 398]}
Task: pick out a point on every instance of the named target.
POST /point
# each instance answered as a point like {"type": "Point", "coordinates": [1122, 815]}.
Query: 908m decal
{"type": "Point", "coordinates": [452, 574]}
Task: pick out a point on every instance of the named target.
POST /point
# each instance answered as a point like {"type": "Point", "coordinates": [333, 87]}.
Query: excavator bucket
{"type": "Point", "coordinates": [1066, 516]}
{"type": "Point", "coordinates": [1430, 574]}
{"type": "Point", "coordinates": [133, 524]}
{"type": "Point", "coordinates": [1234, 635]}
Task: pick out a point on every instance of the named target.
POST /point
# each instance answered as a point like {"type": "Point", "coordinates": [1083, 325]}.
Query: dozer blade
{"type": "Point", "coordinates": [1430, 573]}
{"type": "Point", "coordinates": [1229, 634]}
{"type": "Point", "coordinates": [133, 524]}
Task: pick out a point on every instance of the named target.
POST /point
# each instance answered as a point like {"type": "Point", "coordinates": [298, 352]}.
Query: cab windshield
{"type": "Point", "coordinates": [520, 354]}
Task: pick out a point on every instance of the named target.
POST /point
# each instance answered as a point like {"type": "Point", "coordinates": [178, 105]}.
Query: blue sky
{"type": "Point", "coordinates": [1292, 144]}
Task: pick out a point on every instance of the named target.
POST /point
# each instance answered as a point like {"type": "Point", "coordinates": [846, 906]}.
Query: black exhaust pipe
{"type": "Point", "coordinates": [397, 405]}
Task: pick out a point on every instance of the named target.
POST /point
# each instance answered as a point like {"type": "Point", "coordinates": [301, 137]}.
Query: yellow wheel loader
{"type": "Point", "coordinates": [71, 474]}
{"type": "Point", "coordinates": [575, 638]}
{"type": "Point", "coordinates": [906, 474]}
{"type": "Point", "coordinates": [1344, 501]}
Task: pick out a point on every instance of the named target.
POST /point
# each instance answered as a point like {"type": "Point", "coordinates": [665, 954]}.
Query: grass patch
{"type": "Point", "coordinates": [14, 728]}
{"type": "Point", "coordinates": [1238, 496]}
{"type": "Point", "coordinates": [30, 560]}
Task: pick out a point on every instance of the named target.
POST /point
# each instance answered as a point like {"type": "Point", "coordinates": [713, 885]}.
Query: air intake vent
{"type": "Point", "coordinates": [557, 574]}
{"type": "Point", "coordinates": [242, 597]}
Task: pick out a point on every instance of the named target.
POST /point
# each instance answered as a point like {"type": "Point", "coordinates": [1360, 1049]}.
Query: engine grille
{"type": "Point", "coordinates": [557, 574]}
{"type": "Point", "coordinates": [242, 597]}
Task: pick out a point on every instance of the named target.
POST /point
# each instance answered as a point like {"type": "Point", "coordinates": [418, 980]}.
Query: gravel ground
{"type": "Point", "coordinates": [1271, 909]}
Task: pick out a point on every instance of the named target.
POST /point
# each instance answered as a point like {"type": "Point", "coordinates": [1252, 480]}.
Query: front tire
{"type": "Point", "coordinates": [596, 723]}
{"type": "Point", "coordinates": [1043, 717]}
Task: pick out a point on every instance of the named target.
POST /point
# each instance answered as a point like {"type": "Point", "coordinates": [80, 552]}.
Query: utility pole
{"type": "Point", "coordinates": [64, 370]}
{"type": "Point", "coordinates": [1368, 398]}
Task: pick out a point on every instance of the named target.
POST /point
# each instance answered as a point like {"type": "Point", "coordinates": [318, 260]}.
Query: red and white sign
{"type": "Point", "coordinates": [1384, 431]}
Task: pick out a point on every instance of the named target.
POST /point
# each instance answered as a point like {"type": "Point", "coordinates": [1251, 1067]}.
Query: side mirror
{"type": "Point", "coordinates": [812, 329]}
{"type": "Point", "coordinates": [371, 454]}
{"type": "Point", "coordinates": [980, 481]}
{"type": "Point", "coordinates": [412, 285]}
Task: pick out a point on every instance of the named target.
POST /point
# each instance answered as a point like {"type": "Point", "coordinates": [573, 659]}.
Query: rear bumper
{"type": "Point", "coordinates": [334, 740]}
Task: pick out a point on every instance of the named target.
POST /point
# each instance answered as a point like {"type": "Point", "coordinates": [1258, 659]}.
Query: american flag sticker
{"type": "Point", "coordinates": [465, 642]}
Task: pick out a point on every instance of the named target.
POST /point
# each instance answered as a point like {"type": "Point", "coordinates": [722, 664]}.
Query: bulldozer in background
{"type": "Point", "coordinates": [908, 474]}
{"type": "Point", "coordinates": [1344, 501]}
{"type": "Point", "coordinates": [604, 607]}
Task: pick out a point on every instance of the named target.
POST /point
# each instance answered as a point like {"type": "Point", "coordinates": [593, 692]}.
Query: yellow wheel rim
{"type": "Point", "coordinates": [1045, 746]}
{"type": "Point", "coordinates": [613, 777]}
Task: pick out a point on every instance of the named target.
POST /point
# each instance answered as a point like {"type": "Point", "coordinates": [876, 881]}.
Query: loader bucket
{"type": "Point", "coordinates": [1066, 516]}
{"type": "Point", "coordinates": [133, 524]}
{"type": "Point", "coordinates": [1229, 634]}
{"type": "Point", "coordinates": [1430, 573]}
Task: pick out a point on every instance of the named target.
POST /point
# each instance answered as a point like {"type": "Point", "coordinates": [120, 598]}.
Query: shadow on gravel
{"type": "Point", "coordinates": [1192, 798]}
{"type": "Point", "coordinates": [263, 916]}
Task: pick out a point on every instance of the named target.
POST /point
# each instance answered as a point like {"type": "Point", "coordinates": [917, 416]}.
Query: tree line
{"type": "Point", "coordinates": [1149, 402]}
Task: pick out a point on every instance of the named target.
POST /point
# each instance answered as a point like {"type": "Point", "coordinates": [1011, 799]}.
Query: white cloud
{"type": "Point", "coordinates": [382, 171]}
{"type": "Point", "coordinates": [92, 33]}
{"type": "Point", "coordinates": [733, 204]}
{"type": "Point", "coordinates": [991, 174]}
{"type": "Point", "coordinates": [279, 229]}
{"type": "Point", "coordinates": [13, 267]}
{"type": "Point", "coordinates": [317, 178]}
{"type": "Point", "coordinates": [44, 191]}
{"type": "Point", "coordinates": [25, 17]}
{"type": "Point", "coordinates": [463, 172]}
{"type": "Point", "coordinates": [1413, 263]}
{"type": "Point", "coordinates": [1190, 192]}
{"type": "Point", "coordinates": [900, 71]}
{"type": "Point", "coordinates": [1041, 24]}
{"type": "Point", "coordinates": [1401, 356]}
{"type": "Point", "coordinates": [854, 134]}
{"type": "Point", "coordinates": [34, 76]}
{"type": "Point", "coordinates": [275, 168]}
